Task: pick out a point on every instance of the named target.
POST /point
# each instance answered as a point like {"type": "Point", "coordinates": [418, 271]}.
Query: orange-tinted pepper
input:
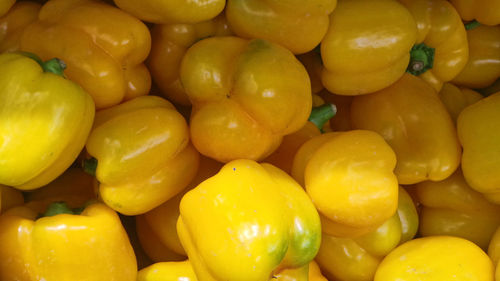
{"type": "Point", "coordinates": [484, 11]}
{"type": "Point", "coordinates": [14, 22]}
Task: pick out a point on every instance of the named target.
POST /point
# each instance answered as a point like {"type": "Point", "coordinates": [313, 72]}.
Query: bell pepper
{"type": "Point", "coordinates": [45, 120]}
{"type": "Point", "coordinates": [349, 177]}
{"type": "Point", "coordinates": [246, 96]}
{"type": "Point", "coordinates": [9, 197]}
{"type": "Point", "coordinates": [248, 222]}
{"type": "Point", "coordinates": [367, 46]}
{"type": "Point", "coordinates": [436, 258]}
{"type": "Point", "coordinates": [314, 66]}
{"type": "Point", "coordinates": [356, 259]}
{"type": "Point", "coordinates": [494, 252]}
{"type": "Point", "coordinates": [478, 128]}
{"type": "Point", "coordinates": [63, 245]}
{"type": "Point", "coordinates": [491, 89]}
{"type": "Point", "coordinates": [141, 154]}
{"type": "Point", "coordinates": [103, 47]}
{"type": "Point", "coordinates": [169, 44]}
{"type": "Point", "coordinates": [168, 271]}
{"type": "Point", "coordinates": [297, 25]}
{"type": "Point", "coordinates": [172, 11]}
{"type": "Point", "coordinates": [441, 50]}
{"type": "Point", "coordinates": [308, 272]}
{"type": "Point", "coordinates": [14, 22]}
{"type": "Point", "coordinates": [484, 11]}
{"type": "Point", "coordinates": [483, 67]}
{"type": "Point", "coordinates": [456, 99]}
{"type": "Point", "coordinates": [415, 123]}
{"type": "Point", "coordinates": [5, 6]}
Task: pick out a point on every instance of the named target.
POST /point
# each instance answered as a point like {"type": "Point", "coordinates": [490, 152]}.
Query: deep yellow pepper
{"type": "Point", "coordinates": [478, 128]}
{"type": "Point", "coordinates": [436, 258]}
{"type": "Point", "coordinates": [9, 197]}
{"type": "Point", "coordinates": [45, 120]}
{"type": "Point", "coordinates": [349, 177]}
{"type": "Point", "coordinates": [297, 25]}
{"type": "Point", "coordinates": [483, 66]}
{"type": "Point", "coordinates": [456, 99]}
{"type": "Point", "coordinates": [169, 44]}
{"type": "Point", "coordinates": [5, 6]}
{"type": "Point", "coordinates": [248, 222]}
{"type": "Point", "coordinates": [103, 47]}
{"type": "Point", "coordinates": [441, 49]}
{"type": "Point", "coordinates": [308, 272]}
{"type": "Point", "coordinates": [142, 152]}
{"type": "Point", "coordinates": [484, 11]}
{"type": "Point", "coordinates": [246, 96]}
{"type": "Point", "coordinates": [367, 46]}
{"type": "Point", "coordinates": [89, 246]}
{"type": "Point", "coordinates": [413, 120]}
{"type": "Point", "coordinates": [494, 252]}
{"type": "Point", "coordinates": [14, 22]}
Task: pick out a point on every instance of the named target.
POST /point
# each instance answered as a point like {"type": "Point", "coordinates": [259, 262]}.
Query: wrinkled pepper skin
{"type": "Point", "coordinates": [14, 22]}
{"type": "Point", "coordinates": [143, 154]}
{"type": "Point", "coordinates": [168, 271]}
{"type": "Point", "coordinates": [494, 252]}
{"type": "Point", "coordinates": [248, 222]}
{"type": "Point", "coordinates": [439, 26]}
{"type": "Point", "coordinates": [90, 246]}
{"type": "Point", "coordinates": [353, 188]}
{"type": "Point", "coordinates": [9, 197]}
{"type": "Point", "coordinates": [415, 123]}
{"type": "Point", "coordinates": [483, 66]}
{"type": "Point", "coordinates": [103, 47]}
{"type": "Point", "coordinates": [484, 11]}
{"type": "Point", "coordinates": [169, 44]}
{"type": "Point", "coordinates": [456, 99]}
{"type": "Point", "coordinates": [347, 259]}
{"type": "Point", "coordinates": [172, 11]}
{"type": "Point", "coordinates": [364, 54]}
{"type": "Point", "coordinates": [297, 25]}
{"type": "Point", "coordinates": [45, 121]}
{"type": "Point", "coordinates": [246, 96]}
{"type": "Point", "coordinates": [5, 6]}
{"type": "Point", "coordinates": [436, 258]}
{"type": "Point", "coordinates": [478, 128]}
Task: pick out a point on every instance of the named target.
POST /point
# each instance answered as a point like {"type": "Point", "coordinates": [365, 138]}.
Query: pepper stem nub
{"type": "Point", "coordinates": [321, 114]}
{"type": "Point", "coordinates": [472, 24]}
{"type": "Point", "coordinates": [58, 208]}
{"type": "Point", "coordinates": [90, 166]}
{"type": "Point", "coordinates": [421, 59]}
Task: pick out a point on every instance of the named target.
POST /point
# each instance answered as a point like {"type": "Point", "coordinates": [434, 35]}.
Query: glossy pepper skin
{"type": "Point", "coordinates": [90, 246]}
{"type": "Point", "coordinates": [438, 27]}
{"type": "Point", "coordinates": [478, 128]}
{"type": "Point", "coordinates": [484, 11]}
{"type": "Point", "coordinates": [354, 189]}
{"type": "Point", "coordinates": [14, 22]}
{"type": "Point", "coordinates": [297, 25]}
{"type": "Point", "coordinates": [483, 66]}
{"type": "Point", "coordinates": [436, 258]}
{"type": "Point", "coordinates": [356, 259]}
{"type": "Point", "coordinates": [168, 271]}
{"type": "Point", "coordinates": [172, 11]}
{"type": "Point", "coordinates": [246, 96]}
{"type": "Point", "coordinates": [457, 98]}
{"type": "Point", "coordinates": [5, 6]}
{"type": "Point", "coordinates": [248, 222]}
{"type": "Point", "coordinates": [367, 46]}
{"type": "Point", "coordinates": [451, 207]}
{"type": "Point", "coordinates": [45, 121]}
{"type": "Point", "coordinates": [308, 272]}
{"type": "Point", "coordinates": [143, 154]}
{"type": "Point", "coordinates": [9, 197]}
{"type": "Point", "coordinates": [169, 44]}
{"type": "Point", "coordinates": [415, 123]}
{"type": "Point", "coordinates": [103, 47]}
{"type": "Point", "coordinates": [494, 252]}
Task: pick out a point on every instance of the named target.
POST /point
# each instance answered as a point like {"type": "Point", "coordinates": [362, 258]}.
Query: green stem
{"type": "Point", "coordinates": [90, 166]}
{"type": "Point", "coordinates": [471, 25]}
{"type": "Point", "coordinates": [58, 208]}
{"type": "Point", "coordinates": [54, 65]}
{"type": "Point", "coordinates": [421, 59]}
{"type": "Point", "coordinates": [321, 114]}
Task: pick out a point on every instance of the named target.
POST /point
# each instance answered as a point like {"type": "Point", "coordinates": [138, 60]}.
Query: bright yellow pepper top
{"type": "Point", "coordinates": [103, 47]}
{"type": "Point", "coordinates": [485, 11]}
{"type": "Point", "coordinates": [247, 223]}
{"type": "Point", "coordinates": [5, 5]}
{"type": "Point", "coordinates": [168, 271]}
{"type": "Point", "coordinates": [45, 121]}
{"type": "Point", "coordinates": [14, 22]}
{"type": "Point", "coordinates": [367, 46]}
{"type": "Point", "coordinates": [246, 96]}
{"type": "Point", "coordinates": [297, 25]}
{"type": "Point", "coordinates": [308, 272]}
{"type": "Point", "coordinates": [456, 99]}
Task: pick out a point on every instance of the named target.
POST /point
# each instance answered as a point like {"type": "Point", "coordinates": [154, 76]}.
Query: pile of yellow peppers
{"type": "Point", "coordinates": [249, 140]}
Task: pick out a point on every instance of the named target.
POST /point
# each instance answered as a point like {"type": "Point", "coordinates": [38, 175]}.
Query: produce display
{"type": "Point", "coordinates": [249, 140]}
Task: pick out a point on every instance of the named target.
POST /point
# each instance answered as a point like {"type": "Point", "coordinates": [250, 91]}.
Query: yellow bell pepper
{"type": "Point", "coordinates": [5, 5]}
{"type": "Point", "coordinates": [483, 67]}
{"type": "Point", "coordinates": [451, 207]}
{"type": "Point", "coordinates": [456, 99]}
{"type": "Point", "coordinates": [169, 44]}
{"type": "Point", "coordinates": [441, 49]}
{"type": "Point", "coordinates": [367, 46]}
{"type": "Point", "coordinates": [168, 271]}
{"type": "Point", "coordinates": [9, 197]}
{"type": "Point", "coordinates": [356, 259]}
{"type": "Point", "coordinates": [246, 96]}
{"type": "Point", "coordinates": [349, 177]}
{"type": "Point", "coordinates": [45, 120]}
{"type": "Point", "coordinates": [484, 11]}
{"type": "Point", "coordinates": [14, 22]}
{"type": "Point", "coordinates": [172, 11]}
{"type": "Point", "coordinates": [248, 222]}
{"type": "Point", "coordinates": [141, 154]}
{"type": "Point", "coordinates": [479, 133]}
{"type": "Point", "coordinates": [103, 47]}
{"type": "Point", "coordinates": [436, 258]}
{"type": "Point", "coordinates": [297, 25]}
{"type": "Point", "coordinates": [494, 252]}
{"type": "Point", "coordinates": [413, 120]}
{"type": "Point", "coordinates": [314, 66]}
{"type": "Point", "coordinates": [65, 246]}
{"type": "Point", "coordinates": [308, 272]}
